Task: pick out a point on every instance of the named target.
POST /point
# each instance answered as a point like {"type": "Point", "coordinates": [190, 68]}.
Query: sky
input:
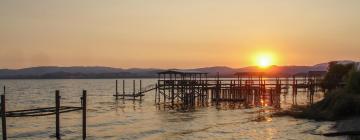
{"type": "Point", "coordinates": [176, 33]}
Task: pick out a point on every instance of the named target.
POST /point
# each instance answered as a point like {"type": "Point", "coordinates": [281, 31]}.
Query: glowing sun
{"type": "Point", "coordinates": [264, 60]}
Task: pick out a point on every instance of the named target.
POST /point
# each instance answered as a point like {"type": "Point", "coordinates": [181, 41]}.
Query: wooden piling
{"type": "Point", "coordinates": [134, 89]}
{"type": "Point", "coordinates": [218, 88]}
{"type": "Point", "coordinates": [172, 93]}
{"type": "Point", "coordinates": [123, 90]}
{"type": "Point", "coordinates": [140, 88]}
{"type": "Point", "coordinates": [57, 113]}
{"type": "Point", "coordinates": [156, 89]}
{"type": "Point", "coordinates": [3, 116]}
{"type": "Point", "coordinates": [117, 93]}
{"type": "Point", "coordinates": [84, 114]}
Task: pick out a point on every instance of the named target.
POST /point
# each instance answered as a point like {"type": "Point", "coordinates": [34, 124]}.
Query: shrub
{"type": "Point", "coordinates": [353, 82]}
{"type": "Point", "coordinates": [336, 75]}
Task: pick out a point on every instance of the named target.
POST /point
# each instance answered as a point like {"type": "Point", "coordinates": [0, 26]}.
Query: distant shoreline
{"type": "Point", "coordinates": [77, 78]}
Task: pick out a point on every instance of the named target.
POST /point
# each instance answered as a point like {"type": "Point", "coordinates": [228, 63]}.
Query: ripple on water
{"type": "Point", "coordinates": [110, 119]}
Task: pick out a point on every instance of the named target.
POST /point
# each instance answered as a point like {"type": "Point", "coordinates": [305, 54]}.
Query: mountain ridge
{"type": "Point", "coordinates": [57, 72]}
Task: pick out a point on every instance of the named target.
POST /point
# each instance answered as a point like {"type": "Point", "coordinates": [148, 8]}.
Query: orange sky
{"type": "Point", "coordinates": [176, 33]}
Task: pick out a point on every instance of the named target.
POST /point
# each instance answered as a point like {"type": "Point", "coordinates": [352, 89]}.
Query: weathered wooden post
{"type": "Point", "coordinates": [140, 90]}
{"type": "Point", "coordinates": [218, 88]}
{"type": "Point", "coordinates": [134, 89]}
{"type": "Point", "coordinates": [84, 114]}
{"type": "Point", "coordinates": [293, 89]}
{"type": "Point", "coordinates": [123, 89]}
{"type": "Point", "coordinates": [57, 113]}
{"type": "Point", "coordinates": [4, 90]}
{"type": "Point", "coordinates": [172, 92]}
{"type": "Point", "coordinates": [3, 116]}
{"type": "Point", "coordinates": [156, 92]}
{"type": "Point", "coordinates": [116, 92]}
{"type": "Point", "coordinates": [271, 96]}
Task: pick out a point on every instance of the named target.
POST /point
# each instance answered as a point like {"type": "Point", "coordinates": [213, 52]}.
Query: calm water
{"type": "Point", "coordinates": [110, 119]}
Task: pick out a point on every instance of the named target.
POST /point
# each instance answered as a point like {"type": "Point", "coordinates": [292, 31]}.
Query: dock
{"type": "Point", "coordinates": [190, 88]}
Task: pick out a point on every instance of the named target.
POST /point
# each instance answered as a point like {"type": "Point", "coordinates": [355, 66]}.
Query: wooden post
{"type": "Point", "coordinates": [172, 93]}
{"type": "Point", "coordinates": [4, 90]}
{"type": "Point", "coordinates": [57, 113]}
{"type": "Point", "coordinates": [134, 89]}
{"type": "Point", "coordinates": [140, 90]}
{"type": "Point", "coordinates": [218, 88]}
{"type": "Point", "coordinates": [123, 90]}
{"type": "Point", "coordinates": [156, 88]}
{"type": "Point", "coordinates": [3, 116]}
{"type": "Point", "coordinates": [164, 89]}
{"type": "Point", "coordinates": [271, 96]}
{"type": "Point", "coordinates": [116, 89]}
{"type": "Point", "coordinates": [84, 114]}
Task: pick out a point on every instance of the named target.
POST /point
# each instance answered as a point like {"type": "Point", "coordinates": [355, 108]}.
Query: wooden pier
{"type": "Point", "coordinates": [188, 88]}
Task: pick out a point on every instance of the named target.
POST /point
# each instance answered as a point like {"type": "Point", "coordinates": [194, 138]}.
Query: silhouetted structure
{"type": "Point", "coordinates": [135, 93]}
{"type": "Point", "coordinates": [45, 111]}
{"type": "Point", "coordinates": [190, 88]}
{"type": "Point", "coordinates": [185, 88]}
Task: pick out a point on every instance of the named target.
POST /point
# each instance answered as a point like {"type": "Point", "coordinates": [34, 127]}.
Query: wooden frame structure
{"type": "Point", "coordinates": [185, 88]}
{"type": "Point", "coordinates": [46, 111]}
{"type": "Point", "coordinates": [189, 88]}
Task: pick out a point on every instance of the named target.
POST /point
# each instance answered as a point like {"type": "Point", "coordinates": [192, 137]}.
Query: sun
{"type": "Point", "coordinates": [264, 60]}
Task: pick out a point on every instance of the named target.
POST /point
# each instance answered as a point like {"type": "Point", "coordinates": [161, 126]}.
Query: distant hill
{"type": "Point", "coordinates": [75, 72]}
{"type": "Point", "coordinates": [78, 72]}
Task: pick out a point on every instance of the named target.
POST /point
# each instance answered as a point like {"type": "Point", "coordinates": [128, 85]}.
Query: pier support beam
{"type": "Point", "coordinates": [140, 89]}
{"type": "Point", "coordinates": [134, 89]}
{"type": "Point", "coordinates": [123, 90]}
{"type": "Point", "coordinates": [117, 93]}
{"type": "Point", "coordinates": [3, 116]}
{"type": "Point", "coordinates": [84, 114]}
{"type": "Point", "coordinates": [57, 113]}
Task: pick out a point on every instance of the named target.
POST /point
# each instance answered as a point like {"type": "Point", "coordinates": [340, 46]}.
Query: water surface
{"type": "Point", "coordinates": [111, 119]}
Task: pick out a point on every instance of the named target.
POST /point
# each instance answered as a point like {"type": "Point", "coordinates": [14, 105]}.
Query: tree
{"type": "Point", "coordinates": [353, 82]}
{"type": "Point", "coordinates": [336, 75]}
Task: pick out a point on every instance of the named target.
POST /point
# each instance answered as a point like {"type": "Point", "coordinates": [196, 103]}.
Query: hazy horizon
{"type": "Point", "coordinates": [178, 33]}
{"type": "Point", "coordinates": [164, 68]}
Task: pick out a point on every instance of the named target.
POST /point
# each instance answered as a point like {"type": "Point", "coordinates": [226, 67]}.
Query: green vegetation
{"type": "Point", "coordinates": [353, 82]}
{"type": "Point", "coordinates": [343, 94]}
{"type": "Point", "coordinates": [342, 100]}
{"type": "Point", "coordinates": [336, 75]}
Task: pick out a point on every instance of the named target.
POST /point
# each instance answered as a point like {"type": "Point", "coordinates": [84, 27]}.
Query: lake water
{"type": "Point", "coordinates": [111, 119]}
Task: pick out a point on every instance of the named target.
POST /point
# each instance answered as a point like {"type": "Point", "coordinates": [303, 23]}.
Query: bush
{"type": "Point", "coordinates": [340, 102]}
{"type": "Point", "coordinates": [353, 82]}
{"type": "Point", "coordinates": [336, 75]}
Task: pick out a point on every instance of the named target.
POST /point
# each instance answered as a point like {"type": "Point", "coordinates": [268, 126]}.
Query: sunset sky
{"type": "Point", "coordinates": [176, 33]}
